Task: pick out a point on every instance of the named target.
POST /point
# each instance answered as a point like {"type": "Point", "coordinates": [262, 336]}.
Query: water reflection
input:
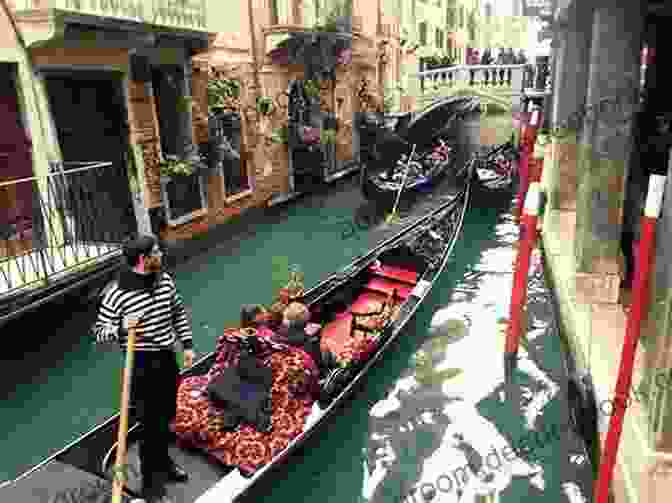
{"type": "Point", "coordinates": [447, 432]}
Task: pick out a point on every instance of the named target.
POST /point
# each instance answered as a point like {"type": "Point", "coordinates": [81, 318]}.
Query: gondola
{"type": "Point", "coordinates": [386, 285]}
{"type": "Point", "coordinates": [417, 153]}
{"type": "Point", "coordinates": [496, 168]}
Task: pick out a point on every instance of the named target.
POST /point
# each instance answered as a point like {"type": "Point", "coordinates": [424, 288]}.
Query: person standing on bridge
{"type": "Point", "coordinates": [509, 59]}
{"type": "Point", "coordinates": [147, 295]}
{"type": "Point", "coordinates": [486, 59]}
{"type": "Point", "coordinates": [501, 60]}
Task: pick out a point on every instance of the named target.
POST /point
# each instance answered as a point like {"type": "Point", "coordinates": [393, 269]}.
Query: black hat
{"type": "Point", "coordinates": [135, 246]}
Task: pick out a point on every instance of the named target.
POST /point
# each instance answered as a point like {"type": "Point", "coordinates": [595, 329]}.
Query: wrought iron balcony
{"type": "Point", "coordinates": [177, 14]}
{"type": "Point", "coordinates": [71, 219]}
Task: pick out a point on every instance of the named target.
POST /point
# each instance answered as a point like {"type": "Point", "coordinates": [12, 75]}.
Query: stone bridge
{"type": "Point", "coordinates": [502, 86]}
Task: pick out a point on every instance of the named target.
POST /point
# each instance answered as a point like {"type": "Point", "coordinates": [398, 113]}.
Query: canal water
{"type": "Point", "coordinates": [433, 405]}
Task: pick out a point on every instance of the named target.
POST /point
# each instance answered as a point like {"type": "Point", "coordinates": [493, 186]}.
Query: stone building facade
{"type": "Point", "coordinates": [117, 82]}
{"type": "Point", "coordinates": [607, 100]}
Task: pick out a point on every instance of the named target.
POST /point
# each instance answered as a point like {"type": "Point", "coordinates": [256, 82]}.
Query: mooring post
{"type": "Point", "coordinates": [632, 332]}
{"type": "Point", "coordinates": [527, 239]}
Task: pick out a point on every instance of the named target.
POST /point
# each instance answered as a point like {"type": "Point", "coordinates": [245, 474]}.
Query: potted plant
{"type": "Point", "coordinates": [183, 189]}
{"type": "Point", "coordinates": [172, 166]}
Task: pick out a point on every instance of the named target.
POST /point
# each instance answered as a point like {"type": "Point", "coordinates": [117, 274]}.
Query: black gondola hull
{"type": "Point", "coordinates": [434, 123]}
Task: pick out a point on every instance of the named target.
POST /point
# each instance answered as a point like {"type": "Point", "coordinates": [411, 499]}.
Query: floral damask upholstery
{"type": "Point", "coordinates": [196, 423]}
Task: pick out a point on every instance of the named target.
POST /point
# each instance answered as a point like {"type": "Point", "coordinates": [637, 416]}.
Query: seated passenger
{"type": "Point", "coordinates": [296, 330]}
{"type": "Point", "coordinates": [276, 316]}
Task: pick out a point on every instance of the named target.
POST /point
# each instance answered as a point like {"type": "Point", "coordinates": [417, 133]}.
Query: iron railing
{"type": "Point", "coordinates": [72, 218]}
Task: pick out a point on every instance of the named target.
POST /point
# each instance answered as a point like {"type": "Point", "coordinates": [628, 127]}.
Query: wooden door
{"type": "Point", "coordinates": [16, 162]}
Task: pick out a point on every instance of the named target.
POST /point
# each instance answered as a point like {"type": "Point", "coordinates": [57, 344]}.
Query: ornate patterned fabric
{"type": "Point", "coordinates": [196, 423]}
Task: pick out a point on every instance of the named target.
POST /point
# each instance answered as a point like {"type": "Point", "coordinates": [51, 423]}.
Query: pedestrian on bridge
{"type": "Point", "coordinates": [487, 59]}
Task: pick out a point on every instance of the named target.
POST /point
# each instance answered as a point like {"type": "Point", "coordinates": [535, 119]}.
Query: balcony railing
{"type": "Point", "coordinates": [66, 221]}
{"type": "Point", "coordinates": [181, 14]}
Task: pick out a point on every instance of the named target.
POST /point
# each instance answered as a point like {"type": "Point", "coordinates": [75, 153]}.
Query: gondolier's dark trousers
{"type": "Point", "coordinates": [154, 401]}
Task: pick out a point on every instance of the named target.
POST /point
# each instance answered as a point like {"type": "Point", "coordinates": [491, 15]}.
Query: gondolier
{"type": "Point", "coordinates": [148, 295]}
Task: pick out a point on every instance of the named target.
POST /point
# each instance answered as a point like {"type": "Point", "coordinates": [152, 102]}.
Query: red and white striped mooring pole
{"type": "Point", "coordinates": [632, 332]}
{"type": "Point", "coordinates": [527, 240]}
{"type": "Point", "coordinates": [526, 151]}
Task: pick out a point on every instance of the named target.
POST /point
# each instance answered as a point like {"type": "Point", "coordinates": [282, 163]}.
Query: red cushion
{"type": "Point", "coordinates": [387, 286]}
{"type": "Point", "coordinates": [395, 273]}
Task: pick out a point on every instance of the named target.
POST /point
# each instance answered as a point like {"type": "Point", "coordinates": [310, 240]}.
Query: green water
{"type": "Point", "coordinates": [62, 385]}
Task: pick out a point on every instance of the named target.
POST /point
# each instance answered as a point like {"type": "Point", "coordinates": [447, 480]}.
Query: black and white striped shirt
{"type": "Point", "coordinates": [164, 318]}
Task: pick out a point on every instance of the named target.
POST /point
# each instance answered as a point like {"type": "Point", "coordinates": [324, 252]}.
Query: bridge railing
{"type": "Point", "coordinates": [511, 77]}
{"type": "Point", "coordinates": [507, 85]}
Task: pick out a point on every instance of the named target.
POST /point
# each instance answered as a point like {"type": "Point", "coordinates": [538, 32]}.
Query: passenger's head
{"type": "Point", "coordinates": [251, 315]}
{"type": "Point", "coordinates": [276, 314]}
{"type": "Point", "coordinates": [296, 313]}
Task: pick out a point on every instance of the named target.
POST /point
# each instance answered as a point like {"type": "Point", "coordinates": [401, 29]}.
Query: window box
{"type": "Point", "coordinates": [184, 197]}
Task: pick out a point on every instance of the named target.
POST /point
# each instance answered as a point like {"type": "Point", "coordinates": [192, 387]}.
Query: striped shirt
{"type": "Point", "coordinates": [164, 318]}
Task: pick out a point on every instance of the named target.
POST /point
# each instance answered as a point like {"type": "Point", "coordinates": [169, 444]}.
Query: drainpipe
{"type": "Point", "coordinates": [632, 334]}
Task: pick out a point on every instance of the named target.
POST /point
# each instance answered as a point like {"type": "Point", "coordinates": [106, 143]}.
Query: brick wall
{"type": "Point", "coordinates": [199, 103]}
{"type": "Point", "coordinates": [145, 134]}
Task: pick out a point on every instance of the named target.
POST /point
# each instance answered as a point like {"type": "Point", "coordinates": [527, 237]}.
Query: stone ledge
{"type": "Point", "coordinates": [597, 288]}
{"type": "Point", "coordinates": [606, 322]}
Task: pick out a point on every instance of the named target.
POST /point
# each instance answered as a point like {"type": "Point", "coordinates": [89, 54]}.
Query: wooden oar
{"type": "Point", "coordinates": [392, 216]}
{"type": "Point", "coordinates": [120, 464]}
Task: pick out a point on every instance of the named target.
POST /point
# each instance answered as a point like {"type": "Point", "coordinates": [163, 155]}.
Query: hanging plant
{"type": "Point", "coordinates": [388, 104]}
{"type": "Point", "coordinates": [317, 51]}
{"type": "Point", "coordinates": [184, 103]}
{"type": "Point", "coordinates": [222, 92]}
{"type": "Point", "coordinates": [279, 56]}
{"type": "Point", "coordinates": [311, 88]}
{"type": "Point", "coordinates": [344, 56]}
{"type": "Point", "coordinates": [280, 135]}
{"type": "Point", "coordinates": [328, 136]}
{"type": "Point", "coordinates": [173, 166]}
{"type": "Point", "coordinates": [264, 105]}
